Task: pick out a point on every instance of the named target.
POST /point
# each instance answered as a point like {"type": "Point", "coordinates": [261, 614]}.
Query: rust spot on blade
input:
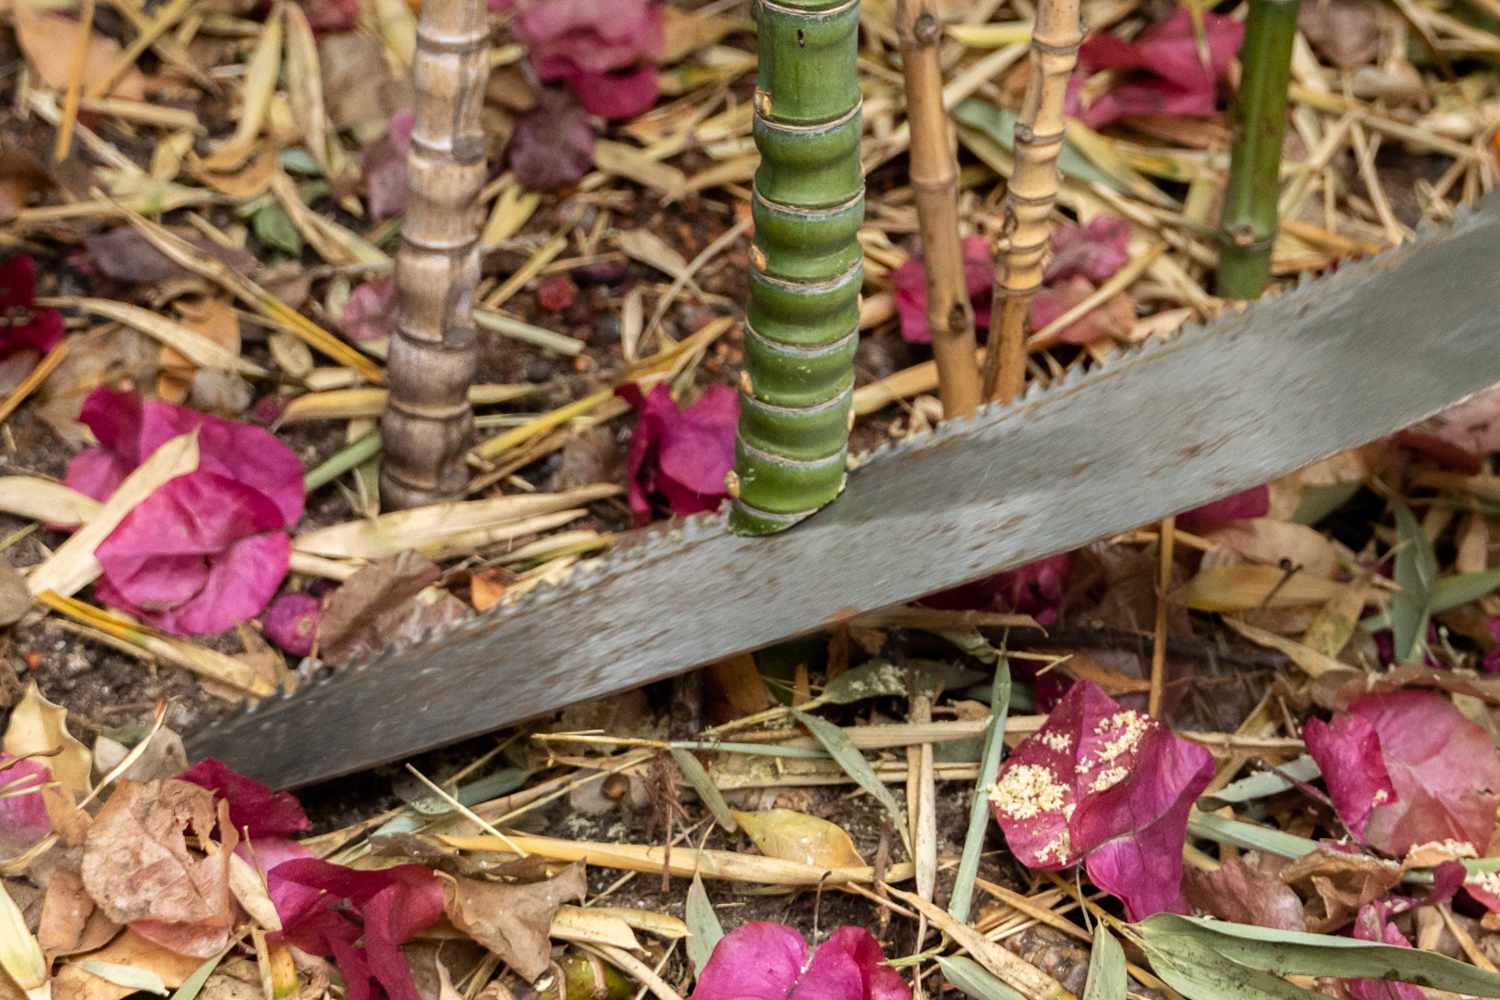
{"type": "Point", "coordinates": [842, 615]}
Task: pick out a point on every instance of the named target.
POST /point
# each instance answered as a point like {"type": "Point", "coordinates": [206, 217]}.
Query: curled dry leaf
{"type": "Point", "coordinates": [1246, 891]}
{"type": "Point", "coordinates": [70, 923]}
{"type": "Point", "coordinates": [1338, 880]}
{"type": "Point", "coordinates": [37, 726]}
{"type": "Point", "coordinates": [41, 35]}
{"type": "Point", "coordinates": [1107, 786]}
{"type": "Point", "coordinates": [512, 920]}
{"type": "Point", "coordinates": [380, 603]}
{"type": "Point", "coordinates": [795, 836]}
{"type": "Point", "coordinates": [552, 146]}
{"type": "Point", "coordinates": [139, 870]}
{"type": "Point", "coordinates": [132, 951]}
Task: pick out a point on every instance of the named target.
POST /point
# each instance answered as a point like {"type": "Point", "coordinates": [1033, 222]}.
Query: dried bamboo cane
{"type": "Point", "coordinates": [802, 323]}
{"type": "Point", "coordinates": [1031, 193]}
{"type": "Point", "coordinates": [428, 421]}
{"type": "Point", "coordinates": [934, 180]}
{"type": "Point", "coordinates": [1248, 224]}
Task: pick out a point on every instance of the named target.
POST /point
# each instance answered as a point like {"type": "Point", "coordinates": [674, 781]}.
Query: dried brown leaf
{"type": "Point", "coordinates": [381, 603]}
{"type": "Point", "coordinates": [513, 920]}
{"type": "Point", "coordinates": [1246, 891]}
{"type": "Point", "coordinates": [47, 40]}
{"type": "Point", "coordinates": [139, 870]}
{"type": "Point", "coordinates": [1341, 882]}
{"type": "Point", "coordinates": [37, 726]}
{"type": "Point", "coordinates": [216, 320]}
{"type": "Point", "coordinates": [70, 922]}
{"type": "Point", "coordinates": [131, 950]}
{"type": "Point", "coordinates": [795, 836]}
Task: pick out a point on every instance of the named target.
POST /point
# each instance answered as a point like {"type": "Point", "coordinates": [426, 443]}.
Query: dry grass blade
{"type": "Point", "coordinates": [259, 89]}
{"type": "Point", "coordinates": [843, 750]}
{"type": "Point", "coordinates": [45, 500]}
{"type": "Point", "coordinates": [73, 566]}
{"type": "Point", "coordinates": [191, 344]}
{"type": "Point", "coordinates": [684, 862]}
{"type": "Point", "coordinates": [389, 534]}
{"type": "Point", "coordinates": [1011, 968]}
{"type": "Point", "coordinates": [369, 402]}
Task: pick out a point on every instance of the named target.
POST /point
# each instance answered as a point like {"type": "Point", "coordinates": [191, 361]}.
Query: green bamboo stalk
{"type": "Point", "coordinates": [1247, 227]}
{"type": "Point", "coordinates": [802, 323]}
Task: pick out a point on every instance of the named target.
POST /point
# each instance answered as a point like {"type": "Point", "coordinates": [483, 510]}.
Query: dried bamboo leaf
{"type": "Point", "coordinates": [191, 344]}
{"type": "Point", "coordinates": [708, 793]}
{"type": "Point", "coordinates": [45, 500]}
{"type": "Point", "coordinates": [73, 566]}
{"type": "Point", "coordinates": [1010, 968]}
{"type": "Point", "coordinates": [854, 764]}
{"type": "Point", "coordinates": [260, 86]}
{"type": "Point", "coordinates": [704, 924]}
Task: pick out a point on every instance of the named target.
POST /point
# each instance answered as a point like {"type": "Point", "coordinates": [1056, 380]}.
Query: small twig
{"type": "Point", "coordinates": [1159, 641]}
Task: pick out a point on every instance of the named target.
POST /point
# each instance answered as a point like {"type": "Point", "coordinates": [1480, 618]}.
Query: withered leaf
{"type": "Point", "coordinates": [70, 923]}
{"type": "Point", "coordinates": [1342, 882]}
{"type": "Point", "coordinates": [138, 869]}
{"type": "Point", "coordinates": [378, 605]}
{"type": "Point", "coordinates": [513, 920]}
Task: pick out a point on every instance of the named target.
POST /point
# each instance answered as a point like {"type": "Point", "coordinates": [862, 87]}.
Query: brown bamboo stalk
{"type": "Point", "coordinates": [428, 422]}
{"type": "Point", "coordinates": [934, 180]}
{"type": "Point", "coordinates": [1030, 194]}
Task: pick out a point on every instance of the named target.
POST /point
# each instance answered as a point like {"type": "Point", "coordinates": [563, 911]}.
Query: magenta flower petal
{"type": "Point", "coordinates": [1100, 778]}
{"type": "Point", "coordinates": [755, 961]}
{"type": "Point", "coordinates": [382, 167]}
{"type": "Point", "coordinates": [1372, 925]}
{"type": "Point", "coordinates": [393, 904]}
{"type": "Point", "coordinates": [129, 431]}
{"type": "Point", "coordinates": [23, 816]}
{"type": "Point", "coordinates": [553, 146]}
{"type": "Point", "coordinates": [370, 312]}
{"type": "Point", "coordinates": [681, 455]}
{"type": "Point", "coordinates": [617, 94]}
{"type": "Point", "coordinates": [1254, 502]}
{"type": "Point", "coordinates": [196, 557]}
{"type": "Point", "coordinates": [909, 284]}
{"type": "Point", "coordinates": [292, 622]}
{"type": "Point", "coordinates": [1095, 251]}
{"type": "Point", "coordinates": [1443, 767]}
{"type": "Point", "coordinates": [253, 808]}
{"type": "Point", "coordinates": [1348, 753]}
{"type": "Point", "coordinates": [22, 325]}
{"type": "Point", "coordinates": [568, 37]}
{"type": "Point", "coordinates": [765, 961]}
{"type": "Point", "coordinates": [1177, 82]}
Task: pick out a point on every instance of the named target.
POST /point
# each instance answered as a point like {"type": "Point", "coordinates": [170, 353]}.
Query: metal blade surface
{"type": "Point", "coordinates": [1259, 393]}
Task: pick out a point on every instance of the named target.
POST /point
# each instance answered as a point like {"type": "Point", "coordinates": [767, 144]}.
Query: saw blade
{"type": "Point", "coordinates": [1160, 429]}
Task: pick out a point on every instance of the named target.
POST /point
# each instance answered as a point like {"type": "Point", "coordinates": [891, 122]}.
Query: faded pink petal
{"type": "Point", "coordinates": [255, 809]}
{"type": "Point", "coordinates": [1111, 319]}
{"type": "Point", "coordinates": [382, 167]}
{"type": "Point", "coordinates": [129, 431]}
{"type": "Point", "coordinates": [681, 455]}
{"type": "Point", "coordinates": [292, 622]}
{"type": "Point", "coordinates": [909, 285]}
{"type": "Point", "coordinates": [1348, 753]}
{"type": "Point", "coordinates": [1371, 925]}
{"type": "Point", "coordinates": [1244, 891]}
{"type": "Point", "coordinates": [618, 94]}
{"type": "Point", "coordinates": [23, 816]}
{"type": "Point", "coordinates": [393, 904]}
{"type": "Point", "coordinates": [569, 37]}
{"type": "Point", "coordinates": [1095, 251]}
{"type": "Point", "coordinates": [1443, 767]}
{"type": "Point", "coordinates": [1254, 502]}
{"type": "Point", "coordinates": [1178, 84]}
{"type": "Point", "coordinates": [198, 556]}
{"type": "Point", "coordinates": [331, 15]}
{"type": "Point", "coordinates": [553, 146]}
{"type": "Point", "coordinates": [764, 961]}
{"type": "Point", "coordinates": [370, 312]}
{"type": "Point", "coordinates": [1106, 785]}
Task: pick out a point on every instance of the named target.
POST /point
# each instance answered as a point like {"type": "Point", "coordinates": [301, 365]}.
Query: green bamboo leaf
{"type": "Point", "coordinates": [848, 757]}
{"type": "Point", "coordinates": [274, 227]}
{"type": "Point", "coordinates": [1264, 783]}
{"type": "Point", "coordinates": [193, 984]}
{"type": "Point", "coordinates": [974, 979]}
{"type": "Point", "coordinates": [1416, 574]}
{"type": "Point", "coordinates": [881, 678]}
{"type": "Point", "coordinates": [979, 806]}
{"type": "Point", "coordinates": [692, 769]}
{"type": "Point", "coordinates": [1295, 953]}
{"type": "Point", "coordinates": [999, 125]}
{"type": "Point", "coordinates": [1107, 980]}
{"type": "Point", "coordinates": [1248, 835]}
{"type": "Point", "coordinates": [1449, 593]}
{"type": "Point", "coordinates": [704, 929]}
{"type": "Point", "coordinates": [128, 976]}
{"type": "Point", "coordinates": [1199, 973]}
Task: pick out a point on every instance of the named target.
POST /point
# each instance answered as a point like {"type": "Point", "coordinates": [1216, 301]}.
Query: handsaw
{"type": "Point", "coordinates": [1149, 432]}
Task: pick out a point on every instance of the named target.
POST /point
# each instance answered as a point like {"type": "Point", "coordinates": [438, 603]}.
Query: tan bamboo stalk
{"type": "Point", "coordinates": [427, 421]}
{"type": "Point", "coordinates": [934, 180]}
{"type": "Point", "coordinates": [1030, 194]}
